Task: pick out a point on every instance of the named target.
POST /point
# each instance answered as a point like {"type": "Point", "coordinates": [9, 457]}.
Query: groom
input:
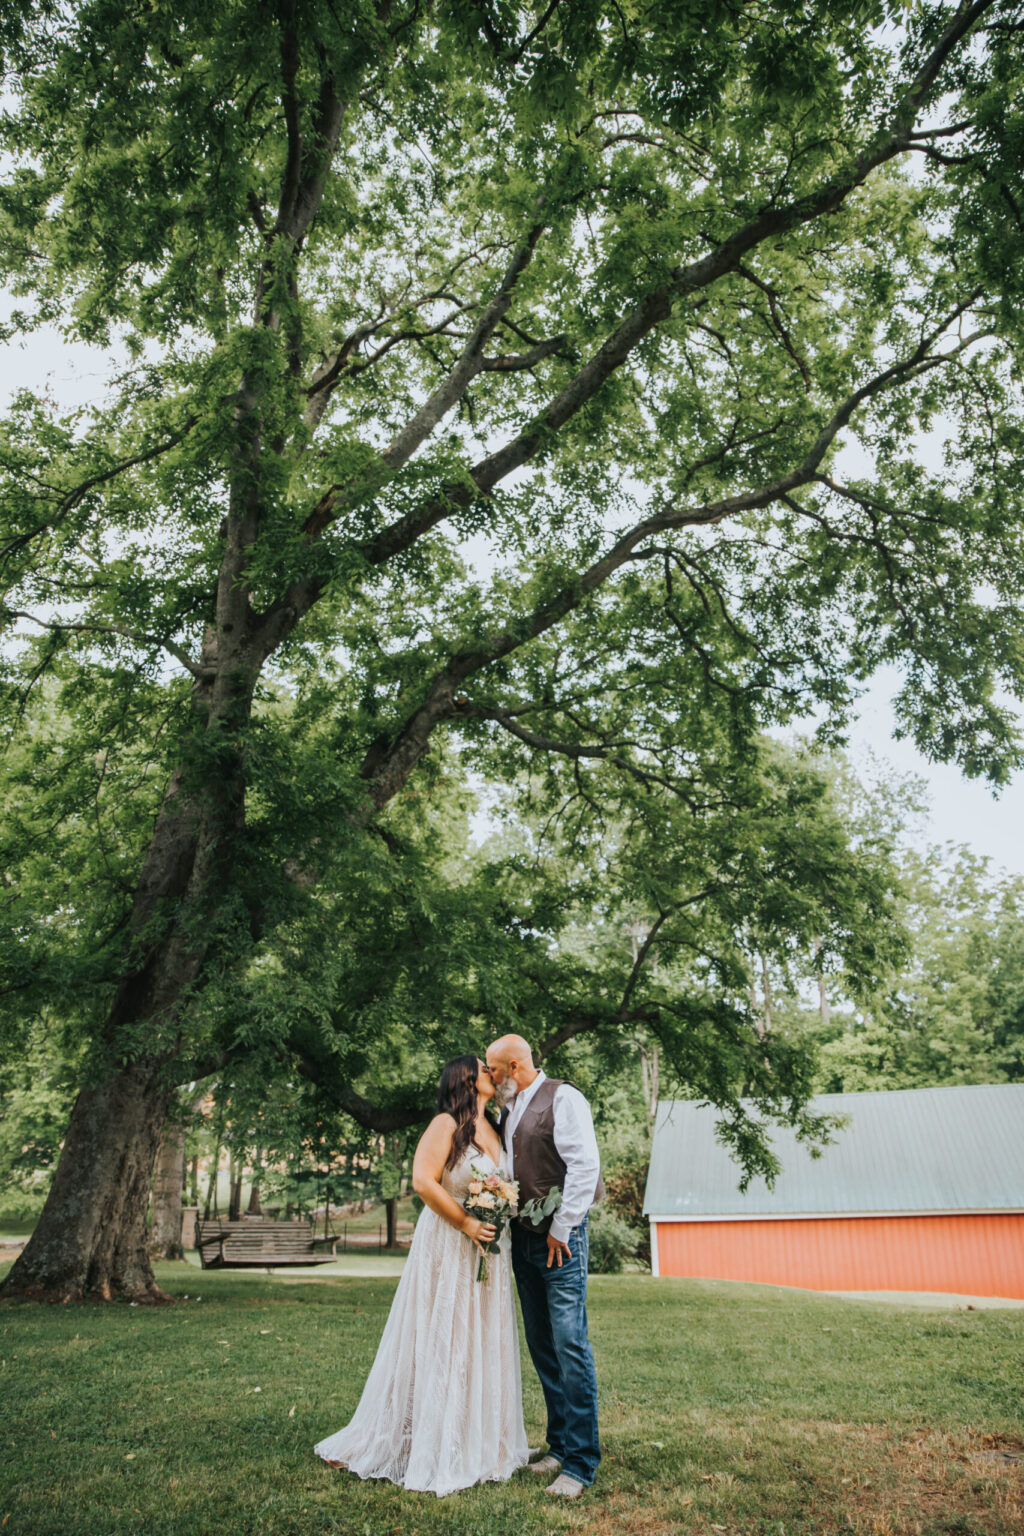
{"type": "Point", "coordinates": [548, 1134]}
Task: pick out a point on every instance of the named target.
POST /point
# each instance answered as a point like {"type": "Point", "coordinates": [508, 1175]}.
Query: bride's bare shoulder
{"type": "Point", "coordinates": [441, 1129]}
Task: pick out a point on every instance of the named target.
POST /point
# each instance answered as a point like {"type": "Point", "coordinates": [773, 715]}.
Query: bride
{"type": "Point", "coordinates": [442, 1407]}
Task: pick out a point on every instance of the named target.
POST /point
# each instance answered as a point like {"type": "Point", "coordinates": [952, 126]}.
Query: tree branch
{"type": "Point", "coordinates": [327, 377]}
{"type": "Point", "coordinates": [942, 133]}
{"type": "Point", "coordinates": [514, 56]}
{"type": "Point", "coordinates": [448, 392]}
{"type": "Point", "coordinates": [388, 770]}
{"type": "Point", "coordinates": [644, 949]}
{"type": "Point", "coordinates": [71, 499]}
{"type": "Point", "coordinates": [571, 749]}
{"type": "Point", "coordinates": [657, 306]}
{"type": "Point", "coordinates": [582, 1024]}
{"type": "Point", "coordinates": [513, 362]}
{"type": "Point", "coordinates": [57, 626]}
{"type": "Point", "coordinates": [779, 324]}
{"type": "Point", "coordinates": [287, 12]}
{"type": "Point", "coordinates": [280, 619]}
{"type": "Point", "coordinates": [372, 1117]}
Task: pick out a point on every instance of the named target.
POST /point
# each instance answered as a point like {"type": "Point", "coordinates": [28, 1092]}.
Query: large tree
{"type": "Point", "coordinates": [488, 367]}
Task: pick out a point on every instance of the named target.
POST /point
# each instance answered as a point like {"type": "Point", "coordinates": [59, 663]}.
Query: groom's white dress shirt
{"type": "Point", "coordinates": [575, 1144]}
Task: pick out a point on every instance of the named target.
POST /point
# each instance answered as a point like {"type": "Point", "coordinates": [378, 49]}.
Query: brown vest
{"type": "Point", "coordinates": [538, 1166]}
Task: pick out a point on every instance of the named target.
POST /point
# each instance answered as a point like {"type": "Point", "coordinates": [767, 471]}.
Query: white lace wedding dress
{"type": "Point", "coordinates": [442, 1407]}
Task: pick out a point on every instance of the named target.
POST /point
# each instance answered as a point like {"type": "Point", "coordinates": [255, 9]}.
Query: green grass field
{"type": "Point", "coordinates": [725, 1409]}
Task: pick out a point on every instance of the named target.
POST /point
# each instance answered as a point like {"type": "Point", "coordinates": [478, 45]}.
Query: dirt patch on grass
{"type": "Point", "coordinates": [621, 1515]}
{"type": "Point", "coordinates": [953, 1483]}
{"type": "Point", "coordinates": [816, 1478]}
{"type": "Point", "coordinates": [921, 1483]}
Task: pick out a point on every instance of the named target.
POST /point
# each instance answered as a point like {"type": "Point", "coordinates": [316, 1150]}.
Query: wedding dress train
{"type": "Point", "coordinates": [442, 1407]}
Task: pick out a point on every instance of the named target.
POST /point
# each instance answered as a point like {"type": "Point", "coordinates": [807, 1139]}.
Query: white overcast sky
{"type": "Point", "coordinates": [963, 811]}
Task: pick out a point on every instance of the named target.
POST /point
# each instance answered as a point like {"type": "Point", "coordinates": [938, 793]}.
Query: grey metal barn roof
{"type": "Point", "coordinates": [911, 1149]}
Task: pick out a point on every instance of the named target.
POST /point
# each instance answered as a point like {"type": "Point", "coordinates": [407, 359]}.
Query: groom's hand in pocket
{"type": "Point", "coordinates": [557, 1251]}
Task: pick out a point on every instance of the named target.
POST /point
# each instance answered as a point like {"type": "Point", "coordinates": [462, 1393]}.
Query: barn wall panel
{"type": "Point", "coordinates": [976, 1255]}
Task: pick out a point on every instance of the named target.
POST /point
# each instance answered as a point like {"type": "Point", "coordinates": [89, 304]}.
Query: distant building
{"type": "Point", "coordinates": [922, 1191]}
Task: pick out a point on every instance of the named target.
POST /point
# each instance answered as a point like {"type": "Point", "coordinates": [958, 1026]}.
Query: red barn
{"type": "Point", "coordinates": [923, 1190]}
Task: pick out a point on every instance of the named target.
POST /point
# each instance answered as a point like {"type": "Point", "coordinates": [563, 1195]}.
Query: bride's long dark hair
{"type": "Point", "coordinates": [456, 1096]}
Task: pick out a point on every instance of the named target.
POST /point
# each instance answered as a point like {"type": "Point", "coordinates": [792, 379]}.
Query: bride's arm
{"type": "Point", "coordinates": [427, 1167]}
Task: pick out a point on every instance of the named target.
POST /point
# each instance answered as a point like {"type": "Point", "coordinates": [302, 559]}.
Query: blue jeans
{"type": "Point", "coordinates": [554, 1303]}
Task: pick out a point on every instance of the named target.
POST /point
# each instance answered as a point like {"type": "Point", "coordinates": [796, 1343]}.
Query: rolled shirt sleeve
{"type": "Point", "coordinates": [576, 1145]}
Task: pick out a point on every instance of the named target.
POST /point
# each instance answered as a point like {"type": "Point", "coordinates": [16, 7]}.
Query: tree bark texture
{"type": "Point", "coordinates": [168, 1186]}
{"type": "Point", "coordinates": [91, 1237]}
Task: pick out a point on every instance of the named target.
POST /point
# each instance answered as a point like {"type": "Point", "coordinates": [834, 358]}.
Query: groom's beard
{"type": "Point", "coordinates": [504, 1093]}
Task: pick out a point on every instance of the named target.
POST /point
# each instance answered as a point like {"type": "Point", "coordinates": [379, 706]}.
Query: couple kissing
{"type": "Point", "coordinates": [442, 1407]}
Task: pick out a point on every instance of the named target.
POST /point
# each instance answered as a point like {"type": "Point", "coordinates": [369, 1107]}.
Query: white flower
{"type": "Point", "coordinates": [486, 1199]}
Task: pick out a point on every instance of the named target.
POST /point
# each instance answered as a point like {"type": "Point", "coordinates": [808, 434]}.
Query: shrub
{"type": "Point", "coordinates": [612, 1241]}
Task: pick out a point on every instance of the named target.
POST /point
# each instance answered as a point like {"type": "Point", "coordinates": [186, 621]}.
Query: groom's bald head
{"type": "Point", "coordinates": [510, 1063]}
{"type": "Point", "coordinates": [508, 1050]}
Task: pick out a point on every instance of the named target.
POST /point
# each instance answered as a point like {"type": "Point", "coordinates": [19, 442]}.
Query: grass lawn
{"type": "Point", "coordinates": [725, 1409]}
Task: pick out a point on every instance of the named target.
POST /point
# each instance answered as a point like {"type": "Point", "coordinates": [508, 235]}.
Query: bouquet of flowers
{"type": "Point", "coordinates": [491, 1199]}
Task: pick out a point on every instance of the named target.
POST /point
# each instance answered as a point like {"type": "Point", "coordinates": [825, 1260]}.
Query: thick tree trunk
{"type": "Point", "coordinates": [168, 1186]}
{"type": "Point", "coordinates": [91, 1237]}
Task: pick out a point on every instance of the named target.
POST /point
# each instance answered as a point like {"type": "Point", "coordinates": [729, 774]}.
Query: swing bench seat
{"type": "Point", "coordinates": [260, 1244]}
